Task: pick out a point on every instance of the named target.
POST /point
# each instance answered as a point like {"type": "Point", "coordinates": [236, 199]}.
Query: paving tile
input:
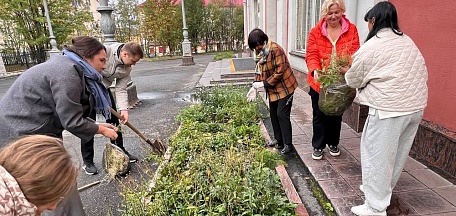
{"type": "Point", "coordinates": [408, 183]}
{"type": "Point", "coordinates": [337, 188]}
{"type": "Point", "coordinates": [347, 170]}
{"type": "Point", "coordinates": [355, 153]}
{"type": "Point", "coordinates": [304, 148]}
{"type": "Point", "coordinates": [350, 143]}
{"type": "Point", "coordinates": [399, 207]}
{"type": "Point", "coordinates": [301, 210]}
{"type": "Point", "coordinates": [429, 178]}
{"type": "Point", "coordinates": [299, 115]}
{"type": "Point", "coordinates": [448, 214]}
{"type": "Point", "coordinates": [426, 202]}
{"type": "Point", "coordinates": [324, 172]}
{"type": "Point", "coordinates": [307, 128]}
{"type": "Point", "coordinates": [295, 129]}
{"type": "Point", "coordinates": [412, 164]}
{"type": "Point", "coordinates": [300, 139]}
{"type": "Point", "coordinates": [344, 157]}
{"type": "Point", "coordinates": [309, 161]}
{"type": "Point", "coordinates": [447, 193]}
{"type": "Point", "coordinates": [345, 126]}
{"type": "Point", "coordinates": [348, 133]}
{"type": "Point", "coordinates": [343, 205]}
{"type": "Point", "coordinates": [355, 182]}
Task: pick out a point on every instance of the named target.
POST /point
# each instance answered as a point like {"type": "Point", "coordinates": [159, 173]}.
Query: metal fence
{"type": "Point", "coordinates": [22, 60]}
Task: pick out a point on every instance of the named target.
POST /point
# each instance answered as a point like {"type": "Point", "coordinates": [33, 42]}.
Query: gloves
{"type": "Point", "coordinates": [258, 85]}
{"type": "Point", "coordinates": [251, 95]}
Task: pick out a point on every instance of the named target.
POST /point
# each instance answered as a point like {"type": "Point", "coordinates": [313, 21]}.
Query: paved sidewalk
{"type": "Point", "coordinates": [419, 191]}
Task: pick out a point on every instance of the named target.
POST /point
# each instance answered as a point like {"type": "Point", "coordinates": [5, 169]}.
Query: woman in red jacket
{"type": "Point", "coordinates": [333, 33]}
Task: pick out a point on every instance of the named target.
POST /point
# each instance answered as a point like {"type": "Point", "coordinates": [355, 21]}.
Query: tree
{"type": "Point", "coordinates": [127, 21]}
{"type": "Point", "coordinates": [194, 11]}
{"type": "Point", "coordinates": [163, 19]}
{"type": "Point", "coordinates": [25, 19]}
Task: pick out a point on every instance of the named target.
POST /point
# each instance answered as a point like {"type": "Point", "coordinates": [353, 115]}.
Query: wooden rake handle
{"type": "Point", "coordinates": [158, 148]}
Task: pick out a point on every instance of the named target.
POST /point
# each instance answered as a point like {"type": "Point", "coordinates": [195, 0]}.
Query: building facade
{"type": "Point", "coordinates": [288, 22]}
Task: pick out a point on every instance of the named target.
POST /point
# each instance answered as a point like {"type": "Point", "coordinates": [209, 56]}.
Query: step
{"type": "Point", "coordinates": [233, 80]}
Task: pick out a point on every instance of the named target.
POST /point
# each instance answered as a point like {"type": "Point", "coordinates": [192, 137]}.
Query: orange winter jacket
{"type": "Point", "coordinates": [319, 47]}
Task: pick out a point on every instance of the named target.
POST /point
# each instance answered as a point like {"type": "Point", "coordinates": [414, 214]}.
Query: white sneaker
{"type": "Point", "coordinates": [364, 210]}
{"type": "Point", "coordinates": [361, 188]}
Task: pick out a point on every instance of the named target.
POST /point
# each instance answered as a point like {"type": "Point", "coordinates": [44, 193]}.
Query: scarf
{"type": "Point", "coordinates": [94, 80]}
{"type": "Point", "coordinates": [12, 199]}
{"type": "Point", "coordinates": [261, 57]}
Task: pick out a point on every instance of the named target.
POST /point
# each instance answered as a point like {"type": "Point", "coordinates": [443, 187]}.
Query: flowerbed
{"type": "Point", "coordinates": [218, 164]}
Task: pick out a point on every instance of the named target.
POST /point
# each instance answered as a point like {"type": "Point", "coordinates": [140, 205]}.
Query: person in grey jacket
{"type": "Point", "coordinates": [58, 95]}
{"type": "Point", "coordinates": [390, 74]}
{"type": "Point", "coordinates": [119, 60]}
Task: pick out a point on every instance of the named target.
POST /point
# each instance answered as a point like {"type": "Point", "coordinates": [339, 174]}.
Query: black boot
{"type": "Point", "coordinates": [288, 148]}
{"type": "Point", "coordinates": [275, 143]}
{"type": "Point", "coordinates": [271, 143]}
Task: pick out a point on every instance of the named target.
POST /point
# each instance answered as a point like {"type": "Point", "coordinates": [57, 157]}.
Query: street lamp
{"type": "Point", "coordinates": [54, 50]}
{"type": "Point", "coordinates": [187, 58]}
{"type": "Point", "coordinates": [107, 24]}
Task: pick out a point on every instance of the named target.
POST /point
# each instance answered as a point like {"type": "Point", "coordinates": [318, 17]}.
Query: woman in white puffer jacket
{"type": "Point", "coordinates": [390, 75]}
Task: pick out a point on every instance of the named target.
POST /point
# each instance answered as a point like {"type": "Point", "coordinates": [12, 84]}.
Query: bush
{"type": "Point", "coordinates": [218, 165]}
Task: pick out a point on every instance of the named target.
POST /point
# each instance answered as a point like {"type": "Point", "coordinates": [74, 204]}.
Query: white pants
{"type": "Point", "coordinates": [385, 145]}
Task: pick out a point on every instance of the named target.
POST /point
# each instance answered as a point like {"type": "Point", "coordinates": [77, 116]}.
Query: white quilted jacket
{"type": "Point", "coordinates": [390, 73]}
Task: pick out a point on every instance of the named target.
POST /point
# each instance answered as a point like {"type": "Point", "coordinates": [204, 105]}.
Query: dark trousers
{"type": "Point", "coordinates": [280, 118]}
{"type": "Point", "coordinates": [87, 148]}
{"type": "Point", "coordinates": [326, 129]}
{"type": "Point", "coordinates": [71, 205]}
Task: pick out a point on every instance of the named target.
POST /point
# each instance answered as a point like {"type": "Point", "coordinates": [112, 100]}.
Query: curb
{"type": "Point", "coordinates": [285, 179]}
{"type": "Point", "coordinates": [10, 74]}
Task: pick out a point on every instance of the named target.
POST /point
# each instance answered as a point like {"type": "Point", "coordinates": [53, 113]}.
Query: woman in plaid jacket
{"type": "Point", "coordinates": [274, 74]}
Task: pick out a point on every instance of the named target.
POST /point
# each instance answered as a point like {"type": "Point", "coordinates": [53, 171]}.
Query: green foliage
{"type": "Point", "coordinates": [194, 17]}
{"type": "Point", "coordinates": [162, 58]}
{"type": "Point", "coordinates": [162, 21]}
{"type": "Point", "coordinates": [331, 74]}
{"type": "Point", "coordinates": [218, 165]}
{"type": "Point", "coordinates": [321, 197]}
{"type": "Point", "coordinates": [127, 21]}
{"type": "Point", "coordinates": [23, 23]}
{"type": "Point", "coordinates": [224, 55]}
{"type": "Point", "coordinates": [223, 24]}
{"type": "Point", "coordinates": [335, 95]}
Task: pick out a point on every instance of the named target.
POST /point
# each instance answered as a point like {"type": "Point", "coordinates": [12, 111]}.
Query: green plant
{"type": "Point", "coordinates": [330, 73]}
{"type": "Point", "coordinates": [218, 165]}
{"type": "Point", "coordinates": [322, 199]}
{"type": "Point", "coordinates": [224, 55]}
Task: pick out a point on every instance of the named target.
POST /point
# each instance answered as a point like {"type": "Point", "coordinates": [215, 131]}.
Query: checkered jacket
{"type": "Point", "coordinates": [277, 74]}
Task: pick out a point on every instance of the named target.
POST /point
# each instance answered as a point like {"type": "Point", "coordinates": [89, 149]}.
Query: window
{"type": "Point", "coordinates": [256, 14]}
{"type": "Point", "coordinates": [309, 13]}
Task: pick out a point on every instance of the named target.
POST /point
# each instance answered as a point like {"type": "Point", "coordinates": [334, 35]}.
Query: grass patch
{"type": "Point", "coordinates": [223, 55]}
{"type": "Point", "coordinates": [162, 58]}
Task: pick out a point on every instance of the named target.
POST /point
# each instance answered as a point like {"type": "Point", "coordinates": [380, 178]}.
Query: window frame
{"type": "Point", "coordinates": [308, 15]}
